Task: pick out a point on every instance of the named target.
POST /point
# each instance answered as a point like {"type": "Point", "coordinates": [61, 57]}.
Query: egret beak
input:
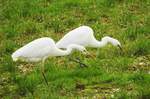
{"type": "Point", "coordinates": [122, 51]}
{"type": "Point", "coordinates": [119, 46]}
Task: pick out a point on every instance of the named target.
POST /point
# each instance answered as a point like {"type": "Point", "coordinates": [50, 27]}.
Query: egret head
{"type": "Point", "coordinates": [116, 43]}
{"type": "Point", "coordinates": [78, 47]}
{"type": "Point", "coordinates": [113, 41]}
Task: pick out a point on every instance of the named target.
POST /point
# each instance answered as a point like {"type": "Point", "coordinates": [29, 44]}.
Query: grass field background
{"type": "Point", "coordinates": [111, 74]}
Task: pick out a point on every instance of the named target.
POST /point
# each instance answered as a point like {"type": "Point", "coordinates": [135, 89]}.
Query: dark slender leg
{"type": "Point", "coordinates": [42, 71]}
{"type": "Point", "coordinates": [45, 78]}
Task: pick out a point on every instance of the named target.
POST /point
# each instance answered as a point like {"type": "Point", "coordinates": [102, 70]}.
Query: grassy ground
{"type": "Point", "coordinates": [111, 74]}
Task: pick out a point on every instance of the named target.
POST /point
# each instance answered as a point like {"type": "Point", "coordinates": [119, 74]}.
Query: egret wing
{"type": "Point", "coordinates": [36, 48]}
{"type": "Point", "coordinates": [77, 36]}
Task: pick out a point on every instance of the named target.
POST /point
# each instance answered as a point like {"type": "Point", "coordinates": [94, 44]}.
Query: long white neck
{"type": "Point", "coordinates": [95, 43]}
{"type": "Point", "coordinates": [61, 52]}
{"type": "Point", "coordinates": [103, 42]}
{"type": "Point", "coordinates": [69, 49]}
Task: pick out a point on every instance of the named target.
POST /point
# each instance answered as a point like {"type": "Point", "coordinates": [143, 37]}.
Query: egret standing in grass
{"type": "Point", "coordinates": [42, 48]}
{"type": "Point", "coordinates": [84, 36]}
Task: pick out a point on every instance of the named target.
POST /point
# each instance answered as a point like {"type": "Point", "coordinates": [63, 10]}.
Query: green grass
{"type": "Point", "coordinates": [111, 74]}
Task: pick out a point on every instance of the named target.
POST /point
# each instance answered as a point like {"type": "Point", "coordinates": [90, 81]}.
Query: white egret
{"type": "Point", "coordinates": [84, 36]}
{"type": "Point", "coordinates": [41, 49]}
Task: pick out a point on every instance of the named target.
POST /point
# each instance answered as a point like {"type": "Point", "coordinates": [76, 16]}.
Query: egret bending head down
{"type": "Point", "coordinates": [41, 49]}
{"type": "Point", "coordinates": [84, 36]}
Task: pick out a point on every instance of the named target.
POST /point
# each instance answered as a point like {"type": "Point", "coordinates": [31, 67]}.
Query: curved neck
{"type": "Point", "coordinates": [61, 52]}
{"type": "Point", "coordinates": [97, 43]}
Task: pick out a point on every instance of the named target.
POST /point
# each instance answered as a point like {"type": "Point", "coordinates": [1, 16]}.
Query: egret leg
{"type": "Point", "coordinates": [42, 71]}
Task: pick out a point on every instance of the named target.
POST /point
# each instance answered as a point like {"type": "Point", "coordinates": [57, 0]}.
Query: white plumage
{"type": "Point", "coordinates": [84, 36]}
{"type": "Point", "coordinates": [42, 48]}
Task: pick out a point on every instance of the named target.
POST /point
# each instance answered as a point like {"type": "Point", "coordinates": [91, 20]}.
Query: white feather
{"type": "Point", "coordinates": [42, 48]}
{"type": "Point", "coordinates": [84, 36]}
